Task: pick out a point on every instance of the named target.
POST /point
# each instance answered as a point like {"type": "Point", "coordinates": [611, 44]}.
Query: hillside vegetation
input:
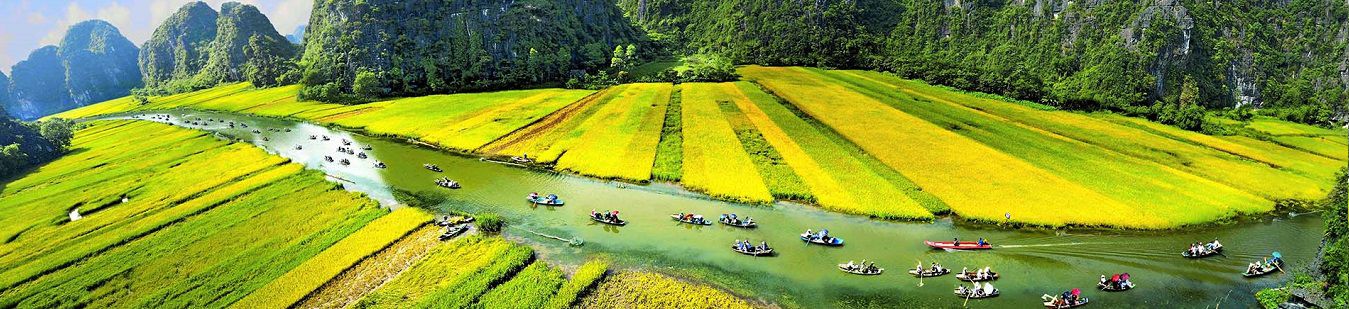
{"type": "Point", "coordinates": [92, 63]}
{"type": "Point", "coordinates": [859, 142]}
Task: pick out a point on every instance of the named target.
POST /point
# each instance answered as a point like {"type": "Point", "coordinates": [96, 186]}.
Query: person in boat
{"type": "Point", "coordinates": [824, 235]}
{"type": "Point", "coordinates": [533, 195]}
{"type": "Point", "coordinates": [1124, 279]}
{"type": "Point", "coordinates": [1115, 281]}
{"type": "Point", "coordinates": [961, 290]}
{"type": "Point", "coordinates": [763, 245]}
{"type": "Point", "coordinates": [552, 198]}
{"type": "Point", "coordinates": [1216, 244]}
{"type": "Point", "coordinates": [936, 267]}
{"type": "Point", "coordinates": [748, 220]}
{"type": "Point", "coordinates": [955, 241]}
{"type": "Point", "coordinates": [1104, 281]}
{"type": "Point", "coordinates": [810, 233]}
{"type": "Point", "coordinates": [988, 288]}
{"type": "Point", "coordinates": [981, 242]}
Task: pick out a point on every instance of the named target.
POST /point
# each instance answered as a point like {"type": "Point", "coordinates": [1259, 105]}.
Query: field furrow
{"type": "Point", "coordinates": [622, 137]}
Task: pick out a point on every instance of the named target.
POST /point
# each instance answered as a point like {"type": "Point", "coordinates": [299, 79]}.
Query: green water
{"type": "Point", "coordinates": [1032, 263]}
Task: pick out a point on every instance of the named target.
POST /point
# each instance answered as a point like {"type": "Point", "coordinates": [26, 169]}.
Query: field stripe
{"type": "Point", "coordinates": [621, 140]}
{"type": "Point", "coordinates": [714, 160]}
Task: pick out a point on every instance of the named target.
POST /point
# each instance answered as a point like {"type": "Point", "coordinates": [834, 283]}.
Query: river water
{"type": "Point", "coordinates": [1031, 262]}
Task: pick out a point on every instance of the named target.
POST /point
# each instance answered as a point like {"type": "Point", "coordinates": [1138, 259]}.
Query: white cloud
{"type": "Point", "coordinates": [34, 18]}
{"type": "Point", "coordinates": [116, 14]}
{"type": "Point", "coordinates": [74, 14]}
{"type": "Point", "coordinates": [289, 14]}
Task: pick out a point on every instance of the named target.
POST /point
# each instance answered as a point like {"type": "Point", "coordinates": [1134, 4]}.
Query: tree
{"type": "Point", "coordinates": [368, 85]}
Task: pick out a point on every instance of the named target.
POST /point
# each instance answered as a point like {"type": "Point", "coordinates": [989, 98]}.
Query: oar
{"type": "Point", "coordinates": [967, 299]}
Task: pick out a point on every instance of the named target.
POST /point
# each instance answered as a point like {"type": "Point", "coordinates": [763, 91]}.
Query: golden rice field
{"type": "Point", "coordinates": [975, 180]}
{"type": "Point", "coordinates": [652, 290]}
{"type": "Point", "coordinates": [781, 181]}
{"type": "Point", "coordinates": [204, 222]}
{"type": "Point", "coordinates": [622, 144]}
{"type": "Point", "coordinates": [714, 160]}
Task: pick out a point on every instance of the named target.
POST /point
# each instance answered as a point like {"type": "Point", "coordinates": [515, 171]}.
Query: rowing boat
{"type": "Point", "coordinates": [858, 271]}
{"type": "Point", "coordinates": [694, 220]}
{"type": "Point", "coordinates": [832, 241]}
{"type": "Point", "coordinates": [763, 252]}
{"type": "Point", "coordinates": [545, 201]}
{"type": "Point", "coordinates": [964, 245]}
{"type": "Point", "coordinates": [971, 278]}
{"type": "Point", "coordinates": [929, 273]}
{"type": "Point", "coordinates": [967, 294]}
{"type": "Point", "coordinates": [618, 222]}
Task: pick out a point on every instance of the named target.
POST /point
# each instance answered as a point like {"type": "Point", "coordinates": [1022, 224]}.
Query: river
{"type": "Point", "coordinates": [1031, 262]}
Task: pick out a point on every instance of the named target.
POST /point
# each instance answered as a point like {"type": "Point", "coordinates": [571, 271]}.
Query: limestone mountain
{"type": "Point", "coordinates": [94, 63]}
{"type": "Point", "coordinates": [198, 48]}
{"type": "Point", "coordinates": [373, 48]}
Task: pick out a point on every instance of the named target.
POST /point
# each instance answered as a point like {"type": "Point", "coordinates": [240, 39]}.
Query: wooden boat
{"type": "Point", "coordinates": [844, 268]}
{"type": "Point", "coordinates": [325, 138]}
{"type": "Point", "coordinates": [832, 241]}
{"type": "Point", "coordinates": [380, 164]}
{"type": "Point", "coordinates": [521, 160]}
{"type": "Point", "coordinates": [929, 273]}
{"type": "Point", "coordinates": [1263, 270]}
{"type": "Point", "coordinates": [361, 155]}
{"type": "Point", "coordinates": [618, 222]}
{"type": "Point", "coordinates": [328, 158]}
{"type": "Point", "coordinates": [694, 220]}
{"type": "Point", "coordinates": [542, 200]}
{"type": "Point", "coordinates": [964, 245]}
{"type": "Point", "coordinates": [451, 232]}
{"type": "Point", "coordinates": [432, 167]}
{"type": "Point", "coordinates": [298, 147]}
{"type": "Point", "coordinates": [993, 275]}
{"type": "Point", "coordinates": [1215, 251]}
{"type": "Point", "coordinates": [1111, 288]}
{"type": "Point", "coordinates": [764, 252]}
{"type": "Point", "coordinates": [445, 182]}
{"type": "Point", "coordinates": [1080, 302]}
{"type": "Point", "coordinates": [967, 294]}
{"type": "Point", "coordinates": [742, 224]}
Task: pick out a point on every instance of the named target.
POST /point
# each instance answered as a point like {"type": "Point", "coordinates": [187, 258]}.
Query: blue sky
{"type": "Point", "coordinates": [26, 25]}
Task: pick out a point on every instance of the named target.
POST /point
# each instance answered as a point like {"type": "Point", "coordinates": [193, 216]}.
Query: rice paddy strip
{"type": "Point", "coordinates": [1217, 164]}
{"type": "Point", "coordinates": [1319, 145]}
{"type": "Point", "coordinates": [669, 154]}
{"type": "Point", "coordinates": [651, 290]}
{"type": "Point", "coordinates": [486, 126]}
{"type": "Point", "coordinates": [528, 289]}
{"type": "Point", "coordinates": [977, 182]}
{"type": "Point", "coordinates": [1164, 192]}
{"type": "Point", "coordinates": [714, 161]}
{"type": "Point", "coordinates": [354, 283]}
{"type": "Point", "coordinates": [294, 285]}
{"type": "Point", "coordinates": [448, 267]}
{"type": "Point", "coordinates": [782, 182]}
{"type": "Point", "coordinates": [622, 141]}
{"type": "Point", "coordinates": [547, 139]}
{"type": "Point", "coordinates": [836, 176]}
{"type": "Point", "coordinates": [583, 280]}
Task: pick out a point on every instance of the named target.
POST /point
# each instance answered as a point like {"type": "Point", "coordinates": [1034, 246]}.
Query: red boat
{"type": "Point", "coordinates": [964, 245]}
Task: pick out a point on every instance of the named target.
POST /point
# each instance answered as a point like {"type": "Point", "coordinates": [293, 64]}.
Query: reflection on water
{"type": "Point", "coordinates": [1031, 262]}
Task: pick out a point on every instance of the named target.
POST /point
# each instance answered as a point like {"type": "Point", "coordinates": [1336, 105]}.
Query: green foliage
{"type": "Point", "coordinates": [1335, 259]}
{"type": "Point", "coordinates": [490, 222]}
{"type": "Point", "coordinates": [57, 132]}
{"type": "Point", "coordinates": [197, 48]}
{"type": "Point", "coordinates": [670, 152]}
{"type": "Point", "coordinates": [583, 280]}
{"type": "Point", "coordinates": [24, 145]}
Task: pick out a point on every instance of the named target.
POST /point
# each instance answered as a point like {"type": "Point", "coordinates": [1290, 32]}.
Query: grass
{"type": "Point", "coordinates": [841, 178]}
{"type": "Point", "coordinates": [714, 160]}
{"type": "Point", "coordinates": [669, 152]}
{"type": "Point", "coordinates": [976, 181]}
{"type": "Point", "coordinates": [547, 139]}
{"type": "Point", "coordinates": [294, 285]}
{"type": "Point", "coordinates": [622, 142]}
{"type": "Point", "coordinates": [187, 236]}
{"type": "Point", "coordinates": [1177, 196]}
{"type": "Point", "coordinates": [651, 290]}
{"type": "Point", "coordinates": [582, 281]}
{"type": "Point", "coordinates": [530, 288]}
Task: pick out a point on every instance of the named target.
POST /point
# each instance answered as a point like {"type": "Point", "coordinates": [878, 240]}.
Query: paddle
{"type": "Point", "coordinates": [967, 299]}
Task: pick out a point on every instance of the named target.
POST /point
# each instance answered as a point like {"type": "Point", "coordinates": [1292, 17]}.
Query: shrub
{"type": "Point", "coordinates": [491, 222]}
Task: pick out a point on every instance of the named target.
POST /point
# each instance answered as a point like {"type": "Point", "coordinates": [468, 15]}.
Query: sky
{"type": "Point", "coordinates": [26, 25]}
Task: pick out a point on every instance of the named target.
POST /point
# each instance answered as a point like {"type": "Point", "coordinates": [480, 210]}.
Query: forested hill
{"type": "Point", "coordinates": [93, 63]}
{"type": "Point", "coordinates": [1122, 55]}
{"type": "Point", "coordinates": [373, 48]}
{"type": "Point", "coordinates": [197, 48]}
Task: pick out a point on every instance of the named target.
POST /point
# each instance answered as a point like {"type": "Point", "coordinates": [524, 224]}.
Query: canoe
{"type": "Point", "coordinates": [844, 268]}
{"type": "Point", "coordinates": [1110, 288]}
{"type": "Point", "coordinates": [963, 277]}
{"type": "Point", "coordinates": [544, 201]}
{"type": "Point", "coordinates": [1081, 302]}
{"type": "Point", "coordinates": [1261, 272]}
{"type": "Point", "coordinates": [929, 273]}
{"type": "Point", "coordinates": [995, 293]}
{"type": "Point", "coordinates": [1215, 251]}
{"type": "Point", "coordinates": [691, 221]}
{"type": "Point", "coordinates": [619, 222]}
{"type": "Point", "coordinates": [833, 241]}
{"type": "Point", "coordinates": [964, 245]}
{"type": "Point", "coordinates": [742, 224]}
{"type": "Point", "coordinates": [453, 231]}
{"type": "Point", "coordinates": [769, 251]}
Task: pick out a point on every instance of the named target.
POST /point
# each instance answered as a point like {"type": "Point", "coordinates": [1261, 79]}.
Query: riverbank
{"type": "Point", "coordinates": [757, 142]}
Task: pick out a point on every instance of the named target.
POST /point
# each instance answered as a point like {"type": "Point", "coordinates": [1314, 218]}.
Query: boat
{"type": "Point", "coordinates": [550, 200]}
{"type": "Point", "coordinates": [1206, 253]}
{"type": "Point", "coordinates": [926, 273]}
{"type": "Point", "coordinates": [380, 164]}
{"type": "Point", "coordinates": [346, 142]}
{"type": "Point", "coordinates": [1113, 288]}
{"type": "Point", "coordinates": [827, 241]}
{"type": "Point", "coordinates": [618, 222]}
{"type": "Point", "coordinates": [1266, 268]}
{"type": "Point", "coordinates": [452, 231]}
{"type": "Point", "coordinates": [690, 219]}
{"type": "Point", "coordinates": [764, 252]}
{"type": "Point", "coordinates": [345, 161]}
{"type": "Point", "coordinates": [858, 269]}
{"type": "Point", "coordinates": [432, 167]}
{"type": "Point", "coordinates": [964, 245]}
{"type": "Point", "coordinates": [298, 147]}
{"type": "Point", "coordinates": [361, 155]}
{"type": "Point", "coordinates": [325, 138]}
{"type": "Point", "coordinates": [1080, 302]}
{"type": "Point", "coordinates": [366, 147]}
{"type": "Point", "coordinates": [967, 294]}
{"type": "Point", "coordinates": [521, 160]}
{"type": "Point", "coordinates": [328, 158]}
{"type": "Point", "coordinates": [445, 182]}
{"type": "Point", "coordinates": [264, 138]}
{"type": "Point", "coordinates": [971, 277]}
{"type": "Point", "coordinates": [736, 222]}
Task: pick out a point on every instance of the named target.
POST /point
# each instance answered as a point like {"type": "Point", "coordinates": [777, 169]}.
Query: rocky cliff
{"type": "Point", "coordinates": [198, 47]}
{"type": "Point", "coordinates": [94, 63]}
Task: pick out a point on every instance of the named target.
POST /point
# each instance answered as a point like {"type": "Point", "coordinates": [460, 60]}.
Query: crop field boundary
{"type": "Point", "coordinates": [541, 125]}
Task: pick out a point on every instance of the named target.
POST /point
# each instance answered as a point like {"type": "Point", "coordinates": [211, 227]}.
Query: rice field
{"type": "Point", "coordinates": [669, 152]}
{"type": "Point", "coordinates": [975, 180]}
{"type": "Point", "coordinates": [452, 274]}
{"type": "Point", "coordinates": [582, 281]}
{"type": "Point", "coordinates": [651, 290]}
{"type": "Point", "coordinates": [547, 139]}
{"type": "Point", "coordinates": [782, 182]}
{"type": "Point", "coordinates": [355, 282]}
{"type": "Point", "coordinates": [714, 160]}
{"type": "Point", "coordinates": [179, 220]}
{"type": "Point", "coordinates": [622, 143]}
